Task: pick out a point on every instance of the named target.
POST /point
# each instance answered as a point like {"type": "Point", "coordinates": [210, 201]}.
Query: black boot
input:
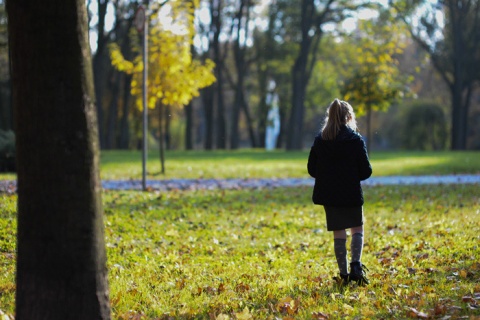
{"type": "Point", "coordinates": [343, 280]}
{"type": "Point", "coordinates": [358, 273]}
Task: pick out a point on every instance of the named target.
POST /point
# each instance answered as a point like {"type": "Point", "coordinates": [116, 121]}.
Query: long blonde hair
{"type": "Point", "coordinates": [338, 113]}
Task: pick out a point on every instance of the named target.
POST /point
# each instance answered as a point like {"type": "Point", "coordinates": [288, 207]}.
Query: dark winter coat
{"type": "Point", "coordinates": [338, 166]}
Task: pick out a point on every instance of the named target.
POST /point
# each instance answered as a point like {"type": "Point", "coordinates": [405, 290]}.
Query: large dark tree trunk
{"type": "Point", "coordinates": [61, 262]}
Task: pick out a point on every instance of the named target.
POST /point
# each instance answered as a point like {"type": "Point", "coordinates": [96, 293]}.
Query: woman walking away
{"type": "Point", "coordinates": [338, 161]}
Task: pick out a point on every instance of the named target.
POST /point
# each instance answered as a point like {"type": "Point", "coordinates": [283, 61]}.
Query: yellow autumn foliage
{"type": "Point", "coordinates": [174, 77]}
{"type": "Point", "coordinates": [375, 80]}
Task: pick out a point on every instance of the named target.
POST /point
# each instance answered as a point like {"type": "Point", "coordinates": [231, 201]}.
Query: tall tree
{"type": "Point", "coordinates": [174, 77]}
{"type": "Point", "coordinates": [375, 81]}
{"type": "Point", "coordinates": [216, 14]}
{"type": "Point", "coordinates": [310, 21]}
{"type": "Point", "coordinates": [240, 27]}
{"type": "Point", "coordinates": [450, 32]}
{"type": "Point", "coordinates": [100, 65]}
{"type": "Point", "coordinates": [61, 261]}
{"type": "Point", "coordinates": [213, 99]}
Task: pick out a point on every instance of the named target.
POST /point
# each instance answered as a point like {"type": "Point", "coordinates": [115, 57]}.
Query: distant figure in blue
{"type": "Point", "coordinates": [338, 161]}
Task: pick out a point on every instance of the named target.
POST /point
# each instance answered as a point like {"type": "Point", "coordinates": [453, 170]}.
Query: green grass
{"type": "Point", "coordinates": [278, 164]}
{"type": "Point", "coordinates": [265, 254]}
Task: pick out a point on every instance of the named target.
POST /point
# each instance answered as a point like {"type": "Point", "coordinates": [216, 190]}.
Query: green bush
{"type": "Point", "coordinates": [7, 151]}
{"type": "Point", "coordinates": [424, 127]}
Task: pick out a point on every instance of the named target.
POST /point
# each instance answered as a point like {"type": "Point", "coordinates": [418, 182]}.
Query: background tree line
{"type": "Point", "coordinates": [307, 48]}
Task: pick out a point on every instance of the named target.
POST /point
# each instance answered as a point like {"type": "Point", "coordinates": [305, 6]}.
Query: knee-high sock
{"type": "Point", "coordinates": [341, 254]}
{"type": "Point", "coordinates": [356, 246]}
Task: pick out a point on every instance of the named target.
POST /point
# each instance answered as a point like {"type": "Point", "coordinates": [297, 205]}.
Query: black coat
{"type": "Point", "coordinates": [338, 166]}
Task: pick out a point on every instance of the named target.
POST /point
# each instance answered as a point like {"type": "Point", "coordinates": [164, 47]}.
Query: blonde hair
{"type": "Point", "coordinates": [338, 113]}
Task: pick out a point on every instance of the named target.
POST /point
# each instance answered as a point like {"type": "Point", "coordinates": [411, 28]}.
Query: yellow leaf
{"type": "Point", "coordinates": [172, 233]}
{"type": "Point", "coordinates": [244, 315]}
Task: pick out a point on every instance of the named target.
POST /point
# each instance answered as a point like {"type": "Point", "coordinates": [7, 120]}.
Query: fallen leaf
{"type": "Point", "coordinates": [320, 316]}
{"type": "Point", "coordinates": [468, 299]}
{"type": "Point", "coordinates": [414, 313]}
{"type": "Point", "coordinates": [221, 288]}
{"type": "Point", "coordinates": [244, 315]}
{"type": "Point", "coordinates": [288, 305]}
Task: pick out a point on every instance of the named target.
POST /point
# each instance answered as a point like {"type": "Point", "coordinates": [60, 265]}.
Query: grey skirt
{"type": "Point", "coordinates": [340, 218]}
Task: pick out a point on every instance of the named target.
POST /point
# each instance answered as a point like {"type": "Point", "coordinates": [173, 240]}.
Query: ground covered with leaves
{"type": "Point", "coordinates": [265, 254]}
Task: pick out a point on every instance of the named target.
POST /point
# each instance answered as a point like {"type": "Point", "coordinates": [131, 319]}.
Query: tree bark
{"type": "Point", "coordinates": [99, 63]}
{"type": "Point", "coordinates": [189, 126]}
{"type": "Point", "coordinates": [113, 112]}
{"type": "Point", "coordinates": [241, 22]}
{"type": "Point", "coordinates": [61, 261]}
{"type": "Point", "coordinates": [207, 100]}
{"type": "Point", "coordinates": [124, 137]}
{"type": "Point", "coordinates": [300, 79]}
{"type": "Point", "coordinates": [216, 15]}
{"type": "Point", "coordinates": [161, 138]}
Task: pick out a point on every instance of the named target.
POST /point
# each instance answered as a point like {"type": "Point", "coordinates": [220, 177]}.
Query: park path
{"type": "Point", "coordinates": [212, 184]}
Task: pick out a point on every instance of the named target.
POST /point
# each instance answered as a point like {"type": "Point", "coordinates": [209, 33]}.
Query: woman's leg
{"type": "Point", "coordinates": [356, 246]}
{"type": "Point", "coordinates": [340, 246]}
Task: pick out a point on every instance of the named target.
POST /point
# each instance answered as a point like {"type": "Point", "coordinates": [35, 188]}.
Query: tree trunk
{"type": "Point", "coordinates": [124, 137]}
{"type": "Point", "coordinates": [221, 121]}
{"type": "Point", "coordinates": [369, 127]}
{"type": "Point", "coordinates": [295, 127]}
{"type": "Point", "coordinates": [300, 79]}
{"type": "Point", "coordinates": [167, 133]}
{"type": "Point", "coordinates": [207, 100]}
{"type": "Point", "coordinates": [216, 15]}
{"type": "Point", "coordinates": [235, 119]}
{"type": "Point", "coordinates": [113, 113]}
{"type": "Point", "coordinates": [161, 138]}
{"type": "Point", "coordinates": [251, 130]}
{"type": "Point", "coordinates": [263, 107]}
{"type": "Point", "coordinates": [189, 126]}
{"type": "Point", "coordinates": [99, 64]}
{"type": "Point", "coordinates": [61, 262]}
{"type": "Point", "coordinates": [241, 23]}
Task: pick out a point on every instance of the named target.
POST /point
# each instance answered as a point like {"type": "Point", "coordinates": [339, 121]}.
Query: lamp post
{"type": "Point", "coordinates": [141, 23]}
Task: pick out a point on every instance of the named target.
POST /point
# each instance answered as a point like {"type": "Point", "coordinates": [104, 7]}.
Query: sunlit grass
{"type": "Point", "coordinates": [247, 254]}
{"type": "Point", "coordinates": [249, 163]}
{"type": "Point", "coordinates": [277, 164]}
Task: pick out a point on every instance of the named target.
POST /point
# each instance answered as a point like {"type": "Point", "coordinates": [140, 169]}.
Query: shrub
{"type": "Point", "coordinates": [7, 151]}
{"type": "Point", "coordinates": [424, 127]}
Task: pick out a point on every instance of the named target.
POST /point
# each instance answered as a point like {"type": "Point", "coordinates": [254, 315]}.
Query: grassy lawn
{"type": "Point", "coordinates": [278, 164]}
{"type": "Point", "coordinates": [265, 254]}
